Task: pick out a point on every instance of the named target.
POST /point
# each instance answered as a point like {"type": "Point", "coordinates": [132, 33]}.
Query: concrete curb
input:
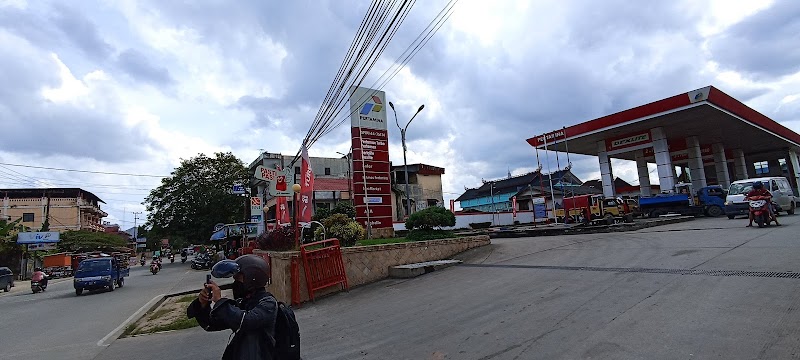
{"type": "Point", "coordinates": [554, 231]}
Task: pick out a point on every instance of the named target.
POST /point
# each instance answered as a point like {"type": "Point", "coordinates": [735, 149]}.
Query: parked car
{"type": "Point", "coordinates": [6, 279]}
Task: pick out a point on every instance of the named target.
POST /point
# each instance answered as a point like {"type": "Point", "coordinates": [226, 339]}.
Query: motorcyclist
{"type": "Point", "coordinates": [157, 261]}
{"type": "Point", "coordinates": [251, 316]}
{"type": "Point", "coordinates": [759, 190]}
{"type": "Point", "coordinates": [40, 276]}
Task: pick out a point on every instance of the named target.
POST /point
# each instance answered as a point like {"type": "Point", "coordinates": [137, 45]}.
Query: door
{"type": "Point", "coordinates": [778, 195]}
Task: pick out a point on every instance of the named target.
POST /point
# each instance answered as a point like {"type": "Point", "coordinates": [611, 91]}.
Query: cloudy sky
{"type": "Point", "coordinates": [134, 86]}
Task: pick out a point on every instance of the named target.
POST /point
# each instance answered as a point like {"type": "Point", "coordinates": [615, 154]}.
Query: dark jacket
{"type": "Point", "coordinates": [255, 338]}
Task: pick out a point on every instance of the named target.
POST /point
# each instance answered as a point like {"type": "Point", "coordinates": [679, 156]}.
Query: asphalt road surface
{"type": "Point", "coordinates": [707, 288]}
{"type": "Point", "coordinates": [649, 294]}
{"type": "Point", "coordinates": [57, 324]}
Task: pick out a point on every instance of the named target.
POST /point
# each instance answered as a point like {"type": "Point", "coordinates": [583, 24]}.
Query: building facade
{"type": "Point", "coordinates": [65, 208]}
{"type": "Point", "coordinates": [332, 180]}
{"type": "Point", "coordinates": [424, 187]}
{"type": "Point", "coordinates": [496, 195]}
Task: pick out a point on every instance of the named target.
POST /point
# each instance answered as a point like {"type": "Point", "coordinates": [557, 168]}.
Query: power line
{"type": "Point", "coordinates": [85, 171]}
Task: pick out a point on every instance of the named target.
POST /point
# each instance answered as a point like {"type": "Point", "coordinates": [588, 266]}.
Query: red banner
{"type": "Point", "coordinates": [282, 210]}
{"type": "Point", "coordinates": [306, 188]}
{"type": "Point", "coordinates": [375, 211]}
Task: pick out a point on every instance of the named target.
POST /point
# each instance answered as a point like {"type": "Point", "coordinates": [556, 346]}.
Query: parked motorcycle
{"type": "Point", "coordinates": [37, 286]}
{"type": "Point", "coordinates": [759, 208]}
{"type": "Point", "coordinates": [154, 268]}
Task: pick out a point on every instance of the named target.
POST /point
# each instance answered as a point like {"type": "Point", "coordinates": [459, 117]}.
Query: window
{"type": "Point", "coordinates": [783, 165]}
{"type": "Point", "coordinates": [27, 217]}
{"type": "Point", "coordinates": [327, 171]}
{"type": "Point", "coordinates": [774, 185]}
{"type": "Point", "coordinates": [296, 169]}
{"type": "Point", "coordinates": [762, 167]}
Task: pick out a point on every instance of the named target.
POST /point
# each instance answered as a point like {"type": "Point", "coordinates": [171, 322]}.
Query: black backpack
{"type": "Point", "coordinates": [287, 334]}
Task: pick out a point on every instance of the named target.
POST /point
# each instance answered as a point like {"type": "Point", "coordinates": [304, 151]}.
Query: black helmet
{"type": "Point", "coordinates": [37, 269]}
{"type": "Point", "coordinates": [758, 185]}
{"type": "Point", "coordinates": [254, 269]}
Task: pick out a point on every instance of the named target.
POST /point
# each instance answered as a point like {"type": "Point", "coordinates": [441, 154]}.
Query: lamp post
{"type": "Point", "coordinates": [296, 188]}
{"type": "Point", "coordinates": [349, 174]}
{"type": "Point", "coordinates": [403, 139]}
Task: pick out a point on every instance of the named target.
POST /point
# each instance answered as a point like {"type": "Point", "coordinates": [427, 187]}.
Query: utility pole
{"type": "Point", "coordinates": [135, 227]}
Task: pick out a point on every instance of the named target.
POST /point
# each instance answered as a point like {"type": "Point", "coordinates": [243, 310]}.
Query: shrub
{"type": "Point", "coordinates": [432, 217]}
{"type": "Point", "coordinates": [279, 239]}
{"type": "Point", "coordinates": [429, 234]}
{"type": "Point", "coordinates": [339, 226]}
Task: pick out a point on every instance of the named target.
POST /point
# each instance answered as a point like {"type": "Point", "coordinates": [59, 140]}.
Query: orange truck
{"type": "Point", "coordinates": [58, 265]}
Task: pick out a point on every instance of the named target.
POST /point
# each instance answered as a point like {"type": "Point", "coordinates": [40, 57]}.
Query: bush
{"type": "Point", "coordinates": [279, 239]}
{"type": "Point", "coordinates": [339, 226]}
{"type": "Point", "coordinates": [432, 217]}
{"type": "Point", "coordinates": [428, 234]}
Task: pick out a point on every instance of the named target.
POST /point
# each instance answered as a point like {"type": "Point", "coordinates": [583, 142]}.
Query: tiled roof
{"type": "Point", "coordinates": [515, 184]}
{"type": "Point", "coordinates": [331, 184]}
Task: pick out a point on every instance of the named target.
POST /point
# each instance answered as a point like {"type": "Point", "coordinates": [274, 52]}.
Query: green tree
{"type": "Point", "coordinates": [9, 250]}
{"type": "Point", "coordinates": [83, 240]}
{"type": "Point", "coordinates": [196, 196]}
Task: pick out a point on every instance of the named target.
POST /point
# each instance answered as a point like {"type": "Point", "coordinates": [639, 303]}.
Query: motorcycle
{"type": "Point", "coordinates": [183, 258]}
{"type": "Point", "coordinates": [759, 208]}
{"type": "Point", "coordinates": [37, 286]}
{"type": "Point", "coordinates": [171, 258]}
{"type": "Point", "coordinates": [154, 267]}
{"type": "Point", "coordinates": [142, 262]}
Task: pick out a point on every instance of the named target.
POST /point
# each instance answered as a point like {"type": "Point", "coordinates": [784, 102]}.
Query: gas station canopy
{"type": "Point", "coordinates": [694, 129]}
{"type": "Point", "coordinates": [708, 113]}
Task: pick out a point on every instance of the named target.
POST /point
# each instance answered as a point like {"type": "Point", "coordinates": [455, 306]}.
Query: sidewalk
{"type": "Point", "coordinates": [25, 285]}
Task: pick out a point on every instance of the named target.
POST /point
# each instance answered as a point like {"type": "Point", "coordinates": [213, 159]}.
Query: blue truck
{"type": "Point", "coordinates": [101, 272]}
{"type": "Point", "coordinates": [709, 201]}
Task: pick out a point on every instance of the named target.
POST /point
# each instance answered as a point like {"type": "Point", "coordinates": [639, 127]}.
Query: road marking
{"type": "Point", "coordinates": [127, 321]}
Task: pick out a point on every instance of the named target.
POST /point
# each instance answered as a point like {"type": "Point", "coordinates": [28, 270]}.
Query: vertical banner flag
{"type": "Point", "coordinates": [282, 206]}
{"type": "Point", "coordinates": [514, 207]}
{"type": "Point", "coordinates": [306, 188]}
{"type": "Point", "coordinates": [452, 206]}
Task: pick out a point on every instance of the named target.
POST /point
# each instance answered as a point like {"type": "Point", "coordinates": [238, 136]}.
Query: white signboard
{"type": "Point", "coordinates": [37, 237]}
{"type": "Point", "coordinates": [368, 108]}
{"type": "Point", "coordinates": [278, 181]}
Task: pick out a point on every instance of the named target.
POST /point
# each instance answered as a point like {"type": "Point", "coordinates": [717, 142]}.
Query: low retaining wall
{"type": "Point", "coordinates": [366, 264]}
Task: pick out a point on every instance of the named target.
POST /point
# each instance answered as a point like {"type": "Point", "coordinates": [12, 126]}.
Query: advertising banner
{"type": "Point", "coordinates": [282, 210]}
{"type": "Point", "coordinates": [306, 188]}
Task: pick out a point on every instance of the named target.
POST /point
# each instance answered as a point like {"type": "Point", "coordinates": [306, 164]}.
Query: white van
{"type": "Point", "coordinates": [780, 188]}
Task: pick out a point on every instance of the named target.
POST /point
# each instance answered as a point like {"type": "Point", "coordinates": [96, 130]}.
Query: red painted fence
{"type": "Point", "coordinates": [323, 265]}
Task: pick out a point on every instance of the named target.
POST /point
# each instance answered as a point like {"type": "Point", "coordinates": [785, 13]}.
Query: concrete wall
{"type": "Point", "coordinates": [366, 264]}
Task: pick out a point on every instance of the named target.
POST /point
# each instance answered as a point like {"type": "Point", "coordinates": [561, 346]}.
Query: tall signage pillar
{"type": "Point", "coordinates": [372, 192]}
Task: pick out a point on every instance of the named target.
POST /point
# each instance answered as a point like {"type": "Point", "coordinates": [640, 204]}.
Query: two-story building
{"type": "Point", "coordinates": [424, 188]}
{"type": "Point", "coordinates": [66, 208]}
{"type": "Point", "coordinates": [332, 180]}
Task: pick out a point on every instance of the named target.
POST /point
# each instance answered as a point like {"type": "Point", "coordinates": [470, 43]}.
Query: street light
{"type": "Point", "coordinates": [403, 138]}
{"type": "Point", "coordinates": [296, 188]}
{"type": "Point", "coordinates": [349, 174]}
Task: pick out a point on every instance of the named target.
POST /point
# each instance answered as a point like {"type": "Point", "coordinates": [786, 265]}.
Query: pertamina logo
{"type": "Point", "coordinates": [375, 106]}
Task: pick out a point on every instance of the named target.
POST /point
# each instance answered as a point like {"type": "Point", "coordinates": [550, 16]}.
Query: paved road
{"type": "Point", "coordinates": [570, 297]}
{"type": "Point", "coordinates": [56, 324]}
